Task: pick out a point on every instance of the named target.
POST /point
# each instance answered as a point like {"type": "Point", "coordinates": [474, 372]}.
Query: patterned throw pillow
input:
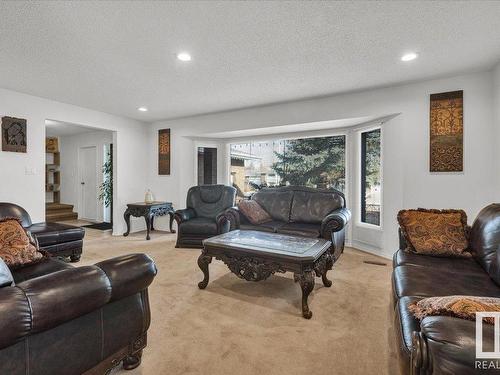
{"type": "Point", "coordinates": [435, 232]}
{"type": "Point", "coordinates": [16, 248]}
{"type": "Point", "coordinates": [254, 212]}
{"type": "Point", "coordinates": [463, 307]}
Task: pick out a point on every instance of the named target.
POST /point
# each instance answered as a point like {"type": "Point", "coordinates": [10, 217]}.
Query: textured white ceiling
{"type": "Point", "coordinates": [117, 56]}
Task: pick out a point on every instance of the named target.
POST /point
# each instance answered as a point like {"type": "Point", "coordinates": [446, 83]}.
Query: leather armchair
{"type": "Point", "coordinates": [76, 320]}
{"type": "Point", "coordinates": [204, 216]}
{"type": "Point", "coordinates": [54, 238]}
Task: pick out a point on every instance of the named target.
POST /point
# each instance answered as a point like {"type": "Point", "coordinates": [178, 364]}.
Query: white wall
{"type": "Point", "coordinates": [407, 180]}
{"type": "Point", "coordinates": [70, 182]}
{"type": "Point", "coordinates": [496, 125]}
{"type": "Point", "coordinates": [23, 175]}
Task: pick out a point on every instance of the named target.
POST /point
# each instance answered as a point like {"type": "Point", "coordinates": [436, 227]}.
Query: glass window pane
{"type": "Point", "coordinates": [370, 177]}
{"type": "Point", "coordinates": [315, 162]}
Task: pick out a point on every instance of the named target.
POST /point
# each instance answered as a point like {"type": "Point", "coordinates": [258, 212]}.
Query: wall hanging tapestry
{"type": "Point", "coordinates": [447, 132]}
{"type": "Point", "coordinates": [164, 151]}
{"type": "Point", "coordinates": [14, 137]}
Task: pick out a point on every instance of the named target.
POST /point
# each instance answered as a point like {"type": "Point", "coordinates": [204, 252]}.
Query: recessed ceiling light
{"type": "Point", "coordinates": [409, 56]}
{"type": "Point", "coordinates": [142, 109]}
{"type": "Point", "coordinates": [184, 56]}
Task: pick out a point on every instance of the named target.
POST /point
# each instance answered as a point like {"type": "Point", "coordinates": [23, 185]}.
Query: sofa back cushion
{"type": "Point", "coordinates": [484, 240]}
{"type": "Point", "coordinates": [435, 232]}
{"type": "Point", "coordinates": [210, 200]}
{"type": "Point", "coordinates": [6, 278]}
{"type": "Point", "coordinates": [16, 247]}
{"type": "Point", "coordinates": [276, 202]}
{"type": "Point", "coordinates": [312, 207]}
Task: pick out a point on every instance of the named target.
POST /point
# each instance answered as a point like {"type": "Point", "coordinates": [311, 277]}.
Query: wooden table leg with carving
{"type": "Point", "coordinates": [306, 281]}
{"type": "Point", "coordinates": [203, 261]}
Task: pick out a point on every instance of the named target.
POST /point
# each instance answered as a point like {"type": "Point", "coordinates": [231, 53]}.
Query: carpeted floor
{"type": "Point", "coordinates": [238, 327]}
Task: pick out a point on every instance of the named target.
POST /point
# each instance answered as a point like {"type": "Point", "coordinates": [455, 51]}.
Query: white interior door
{"type": "Point", "coordinates": [88, 183]}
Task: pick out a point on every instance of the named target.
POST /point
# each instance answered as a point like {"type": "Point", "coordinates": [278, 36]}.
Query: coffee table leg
{"type": "Point", "coordinates": [203, 261]}
{"type": "Point", "coordinates": [329, 266]}
{"type": "Point", "coordinates": [306, 281]}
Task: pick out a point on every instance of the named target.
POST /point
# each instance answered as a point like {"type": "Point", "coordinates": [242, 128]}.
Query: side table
{"type": "Point", "coordinates": [149, 211]}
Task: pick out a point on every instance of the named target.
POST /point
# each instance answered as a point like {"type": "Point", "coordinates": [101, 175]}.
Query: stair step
{"type": "Point", "coordinates": [60, 216]}
{"type": "Point", "coordinates": [58, 206]}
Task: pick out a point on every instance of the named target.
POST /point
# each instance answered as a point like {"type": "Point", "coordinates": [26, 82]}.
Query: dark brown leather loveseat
{"type": "Point", "coordinates": [57, 239]}
{"type": "Point", "coordinates": [60, 320]}
{"type": "Point", "coordinates": [443, 344]}
{"type": "Point", "coordinates": [300, 211]}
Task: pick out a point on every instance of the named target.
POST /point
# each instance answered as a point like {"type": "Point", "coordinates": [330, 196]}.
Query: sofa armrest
{"type": "Point", "coordinates": [184, 215]}
{"type": "Point", "coordinates": [223, 222]}
{"type": "Point", "coordinates": [128, 274]}
{"type": "Point", "coordinates": [232, 214]}
{"type": "Point", "coordinates": [45, 302]}
{"type": "Point", "coordinates": [336, 220]}
{"type": "Point", "coordinates": [448, 342]}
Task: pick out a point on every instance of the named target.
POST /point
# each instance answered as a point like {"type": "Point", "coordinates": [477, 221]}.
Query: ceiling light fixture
{"type": "Point", "coordinates": [184, 56]}
{"type": "Point", "coordinates": [409, 56]}
{"type": "Point", "coordinates": [142, 109]}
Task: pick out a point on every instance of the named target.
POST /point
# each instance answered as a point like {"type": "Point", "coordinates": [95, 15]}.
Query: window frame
{"type": "Point", "coordinates": [361, 182]}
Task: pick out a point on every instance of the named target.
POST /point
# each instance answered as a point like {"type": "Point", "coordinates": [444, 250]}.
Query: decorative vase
{"type": "Point", "coordinates": [149, 197]}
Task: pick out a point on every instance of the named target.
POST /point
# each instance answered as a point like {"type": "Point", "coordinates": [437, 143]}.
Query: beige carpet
{"type": "Point", "coordinates": [239, 327]}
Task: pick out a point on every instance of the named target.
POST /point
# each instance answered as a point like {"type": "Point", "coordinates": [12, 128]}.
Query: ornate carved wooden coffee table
{"type": "Point", "coordinates": [149, 211]}
{"type": "Point", "coordinates": [254, 256]}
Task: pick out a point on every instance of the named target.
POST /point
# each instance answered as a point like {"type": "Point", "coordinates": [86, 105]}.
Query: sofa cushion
{"type": "Point", "coordinates": [276, 203]}
{"type": "Point", "coordinates": [50, 265]}
{"type": "Point", "coordinates": [16, 247]}
{"type": "Point", "coordinates": [485, 240]}
{"type": "Point", "coordinates": [312, 207]}
{"type": "Point", "coordinates": [6, 278]}
{"type": "Point", "coordinates": [53, 233]}
{"type": "Point", "coordinates": [458, 265]}
{"type": "Point", "coordinates": [254, 212]}
{"type": "Point", "coordinates": [435, 232]}
{"type": "Point", "coordinates": [271, 226]}
{"type": "Point", "coordinates": [199, 225]}
{"type": "Point", "coordinates": [411, 280]}
{"type": "Point", "coordinates": [300, 229]}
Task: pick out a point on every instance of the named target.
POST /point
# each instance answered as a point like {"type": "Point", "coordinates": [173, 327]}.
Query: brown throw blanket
{"type": "Point", "coordinates": [463, 307]}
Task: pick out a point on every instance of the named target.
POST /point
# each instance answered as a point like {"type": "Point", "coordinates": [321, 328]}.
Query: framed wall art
{"type": "Point", "coordinates": [164, 147]}
{"type": "Point", "coordinates": [14, 137]}
{"type": "Point", "coordinates": [447, 132]}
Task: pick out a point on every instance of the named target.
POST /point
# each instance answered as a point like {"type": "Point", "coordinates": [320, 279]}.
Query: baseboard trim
{"type": "Point", "coordinates": [367, 248]}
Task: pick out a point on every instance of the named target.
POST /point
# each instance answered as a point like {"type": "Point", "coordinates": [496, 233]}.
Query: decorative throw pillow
{"type": "Point", "coordinates": [254, 212]}
{"type": "Point", "coordinates": [435, 232]}
{"type": "Point", "coordinates": [16, 248]}
{"type": "Point", "coordinates": [463, 307]}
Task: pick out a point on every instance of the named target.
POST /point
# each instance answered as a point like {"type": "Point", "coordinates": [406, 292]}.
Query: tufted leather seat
{"type": "Point", "coordinates": [445, 345]}
{"type": "Point", "coordinates": [203, 216]}
{"type": "Point", "coordinates": [57, 239]}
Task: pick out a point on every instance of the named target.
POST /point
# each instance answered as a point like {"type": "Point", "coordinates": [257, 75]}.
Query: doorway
{"type": "Point", "coordinates": [207, 166]}
{"type": "Point", "coordinates": [87, 161]}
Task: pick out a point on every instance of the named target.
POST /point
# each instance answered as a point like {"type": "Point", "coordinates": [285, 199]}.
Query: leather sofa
{"type": "Point", "coordinates": [443, 344]}
{"type": "Point", "coordinates": [57, 239]}
{"type": "Point", "coordinates": [300, 211]}
{"type": "Point", "coordinates": [60, 320]}
{"type": "Point", "coordinates": [203, 216]}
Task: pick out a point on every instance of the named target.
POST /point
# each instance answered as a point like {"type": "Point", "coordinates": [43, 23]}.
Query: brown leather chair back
{"type": "Point", "coordinates": [15, 211]}
{"type": "Point", "coordinates": [484, 240]}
